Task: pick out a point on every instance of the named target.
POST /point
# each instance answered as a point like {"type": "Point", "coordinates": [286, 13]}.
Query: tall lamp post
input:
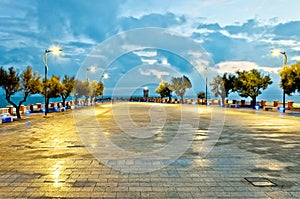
{"type": "Point", "coordinates": [92, 69]}
{"type": "Point", "coordinates": [206, 74]}
{"type": "Point", "coordinates": [277, 52]}
{"type": "Point", "coordinates": [104, 76]}
{"type": "Point", "coordinates": [55, 51]}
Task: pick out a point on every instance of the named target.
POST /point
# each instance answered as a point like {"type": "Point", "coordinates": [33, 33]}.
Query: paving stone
{"type": "Point", "coordinates": [47, 159]}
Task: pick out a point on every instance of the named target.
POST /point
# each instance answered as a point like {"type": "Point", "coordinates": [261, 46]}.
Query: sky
{"type": "Point", "coordinates": [139, 43]}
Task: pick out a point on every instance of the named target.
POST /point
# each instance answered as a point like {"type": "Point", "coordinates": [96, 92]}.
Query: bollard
{"type": "Point", "coordinates": [290, 105]}
{"type": "Point", "coordinates": [22, 109]}
{"type": "Point", "coordinates": [10, 110]}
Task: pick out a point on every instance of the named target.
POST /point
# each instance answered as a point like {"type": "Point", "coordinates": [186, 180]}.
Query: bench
{"type": "Point", "coordinates": [270, 108]}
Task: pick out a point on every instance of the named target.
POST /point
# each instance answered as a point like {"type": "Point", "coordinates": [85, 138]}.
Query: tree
{"type": "Point", "coordinates": [250, 83]}
{"type": "Point", "coordinates": [222, 86]}
{"type": "Point", "coordinates": [179, 85]}
{"type": "Point", "coordinates": [201, 95]}
{"type": "Point", "coordinates": [81, 88]}
{"type": "Point", "coordinates": [96, 89]}
{"type": "Point", "coordinates": [164, 90]}
{"type": "Point", "coordinates": [66, 88]}
{"type": "Point", "coordinates": [25, 84]}
{"type": "Point", "coordinates": [290, 78]}
{"type": "Point", "coordinates": [52, 88]}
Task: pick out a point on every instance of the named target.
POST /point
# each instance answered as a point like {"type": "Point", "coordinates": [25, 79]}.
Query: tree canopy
{"type": "Point", "coordinates": [52, 89]}
{"type": "Point", "coordinates": [251, 83]}
{"type": "Point", "coordinates": [163, 90]}
{"type": "Point", "coordinates": [222, 86]}
{"type": "Point", "coordinates": [66, 88]}
{"type": "Point", "coordinates": [179, 85]}
{"type": "Point", "coordinates": [24, 84]}
{"type": "Point", "coordinates": [290, 78]}
{"type": "Point", "coordinates": [201, 95]}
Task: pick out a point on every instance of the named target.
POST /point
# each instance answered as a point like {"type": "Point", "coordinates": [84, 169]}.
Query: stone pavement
{"type": "Point", "coordinates": [256, 156]}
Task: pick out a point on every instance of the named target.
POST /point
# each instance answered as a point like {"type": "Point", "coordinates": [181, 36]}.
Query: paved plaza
{"type": "Point", "coordinates": [148, 150]}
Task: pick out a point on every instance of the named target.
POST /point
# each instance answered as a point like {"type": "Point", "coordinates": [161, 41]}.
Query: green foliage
{"type": "Point", "coordinates": [179, 85]}
{"type": "Point", "coordinates": [81, 88]}
{"type": "Point", "coordinates": [250, 83]}
{"type": "Point", "coordinates": [290, 78]}
{"type": "Point", "coordinates": [222, 86]}
{"type": "Point", "coordinates": [164, 90]}
{"type": "Point", "coordinates": [201, 95]}
{"type": "Point", "coordinates": [67, 86]}
{"type": "Point", "coordinates": [25, 84]}
{"type": "Point", "coordinates": [53, 87]}
{"type": "Point", "coordinates": [96, 88]}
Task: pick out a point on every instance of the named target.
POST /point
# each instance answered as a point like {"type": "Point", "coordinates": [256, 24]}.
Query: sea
{"type": "Point", "coordinates": [233, 96]}
{"type": "Point", "coordinates": [30, 100]}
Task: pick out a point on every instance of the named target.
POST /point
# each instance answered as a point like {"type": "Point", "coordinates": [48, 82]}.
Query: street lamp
{"type": "Point", "coordinates": [55, 51]}
{"type": "Point", "coordinates": [92, 69]}
{"type": "Point", "coordinates": [104, 76]}
{"type": "Point", "coordinates": [277, 52]}
{"type": "Point", "coordinates": [206, 74]}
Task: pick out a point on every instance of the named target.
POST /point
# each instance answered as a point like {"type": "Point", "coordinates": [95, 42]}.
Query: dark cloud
{"type": "Point", "coordinates": [288, 30]}
{"type": "Point", "coordinates": [247, 41]}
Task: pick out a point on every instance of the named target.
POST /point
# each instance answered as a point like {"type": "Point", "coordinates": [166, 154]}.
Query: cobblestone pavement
{"type": "Point", "coordinates": [256, 156]}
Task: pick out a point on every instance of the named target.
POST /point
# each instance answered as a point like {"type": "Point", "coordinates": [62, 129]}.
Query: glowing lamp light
{"type": "Point", "coordinates": [105, 76]}
{"type": "Point", "coordinates": [276, 52]}
{"type": "Point", "coordinates": [55, 50]}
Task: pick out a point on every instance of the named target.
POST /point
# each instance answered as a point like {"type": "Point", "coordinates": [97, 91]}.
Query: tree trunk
{"type": "Point", "coordinates": [181, 99]}
{"type": "Point", "coordinates": [254, 102]}
{"type": "Point", "coordinates": [223, 101]}
{"type": "Point", "coordinates": [18, 112]}
{"type": "Point", "coordinates": [63, 101]}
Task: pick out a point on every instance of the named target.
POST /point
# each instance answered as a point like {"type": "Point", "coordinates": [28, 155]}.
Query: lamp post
{"type": "Point", "coordinates": [277, 52]}
{"type": "Point", "coordinates": [206, 74]}
{"type": "Point", "coordinates": [104, 76]}
{"type": "Point", "coordinates": [92, 68]}
{"type": "Point", "coordinates": [55, 51]}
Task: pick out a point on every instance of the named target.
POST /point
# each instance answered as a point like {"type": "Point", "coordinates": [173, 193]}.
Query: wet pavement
{"type": "Point", "coordinates": [145, 150]}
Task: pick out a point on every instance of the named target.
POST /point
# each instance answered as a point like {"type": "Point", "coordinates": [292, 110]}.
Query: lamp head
{"type": "Point", "coordinates": [55, 50]}
{"type": "Point", "coordinates": [276, 52]}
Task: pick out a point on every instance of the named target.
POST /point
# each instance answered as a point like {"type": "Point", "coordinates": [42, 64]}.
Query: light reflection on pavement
{"type": "Point", "coordinates": [48, 159]}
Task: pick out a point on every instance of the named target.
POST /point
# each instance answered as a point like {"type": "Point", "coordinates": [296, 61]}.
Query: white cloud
{"type": "Point", "coordinates": [146, 53]}
{"type": "Point", "coordinates": [156, 73]}
{"type": "Point", "coordinates": [296, 58]}
{"type": "Point", "coordinates": [233, 66]}
{"type": "Point", "coordinates": [149, 61]}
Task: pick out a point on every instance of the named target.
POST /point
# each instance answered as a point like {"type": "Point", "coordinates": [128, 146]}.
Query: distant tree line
{"type": "Point", "coordinates": [246, 83]}
{"type": "Point", "coordinates": [29, 82]}
{"type": "Point", "coordinates": [251, 83]}
{"type": "Point", "coordinates": [178, 85]}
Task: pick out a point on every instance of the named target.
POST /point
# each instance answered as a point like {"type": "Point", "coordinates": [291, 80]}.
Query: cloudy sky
{"type": "Point", "coordinates": [138, 43]}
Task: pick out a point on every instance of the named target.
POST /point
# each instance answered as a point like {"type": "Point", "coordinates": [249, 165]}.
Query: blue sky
{"type": "Point", "coordinates": [235, 34]}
